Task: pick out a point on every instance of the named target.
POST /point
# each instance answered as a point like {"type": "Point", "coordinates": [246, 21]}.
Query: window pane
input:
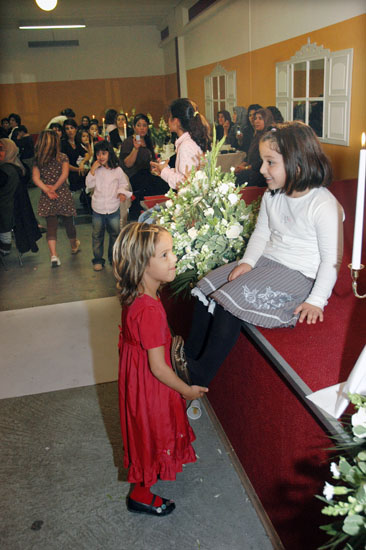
{"type": "Point", "coordinates": [216, 109]}
{"type": "Point", "coordinates": [300, 79]}
{"type": "Point", "coordinates": [222, 106]}
{"type": "Point", "coordinates": [222, 87]}
{"type": "Point", "coordinates": [299, 111]}
{"type": "Point", "coordinates": [316, 117]}
{"type": "Point", "coordinates": [214, 87]}
{"type": "Point", "coordinates": [316, 84]}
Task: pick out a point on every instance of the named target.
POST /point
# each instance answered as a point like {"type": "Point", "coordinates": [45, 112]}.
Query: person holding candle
{"type": "Point", "coordinates": [291, 262]}
{"type": "Point", "coordinates": [121, 132]}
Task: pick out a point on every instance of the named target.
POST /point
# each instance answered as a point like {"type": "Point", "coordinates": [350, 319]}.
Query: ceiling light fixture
{"type": "Point", "coordinates": [36, 27]}
{"type": "Point", "coordinates": [46, 5]}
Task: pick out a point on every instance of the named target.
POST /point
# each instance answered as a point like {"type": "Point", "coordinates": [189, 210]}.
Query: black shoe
{"type": "Point", "coordinates": [178, 359]}
{"type": "Point", "coordinates": [138, 507]}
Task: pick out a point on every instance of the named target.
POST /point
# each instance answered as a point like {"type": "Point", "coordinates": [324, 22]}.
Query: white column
{"type": "Point", "coordinates": [182, 67]}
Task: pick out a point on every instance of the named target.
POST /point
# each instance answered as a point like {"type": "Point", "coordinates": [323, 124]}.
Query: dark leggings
{"type": "Point", "coordinates": [210, 341]}
{"type": "Point", "coordinates": [52, 227]}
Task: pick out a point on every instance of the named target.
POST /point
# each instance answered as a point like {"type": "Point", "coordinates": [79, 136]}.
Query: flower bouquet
{"type": "Point", "coordinates": [160, 135]}
{"type": "Point", "coordinates": [209, 221]}
{"type": "Point", "coordinates": [347, 498]}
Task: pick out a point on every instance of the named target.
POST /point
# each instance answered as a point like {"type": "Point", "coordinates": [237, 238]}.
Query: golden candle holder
{"type": "Point", "coordinates": [354, 275]}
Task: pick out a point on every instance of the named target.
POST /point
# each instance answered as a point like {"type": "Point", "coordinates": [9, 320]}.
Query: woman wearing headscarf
{"type": "Point", "coordinates": [15, 207]}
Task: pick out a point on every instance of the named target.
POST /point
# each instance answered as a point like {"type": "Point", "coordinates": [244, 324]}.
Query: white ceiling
{"type": "Point", "coordinates": [94, 13]}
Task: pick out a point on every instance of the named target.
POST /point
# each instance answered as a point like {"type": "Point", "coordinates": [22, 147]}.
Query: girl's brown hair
{"type": "Point", "coordinates": [306, 165]}
{"type": "Point", "coordinates": [132, 251]}
{"type": "Point", "coordinates": [47, 148]}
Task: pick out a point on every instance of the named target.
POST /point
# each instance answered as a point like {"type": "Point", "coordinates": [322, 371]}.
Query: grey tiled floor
{"type": "Point", "coordinates": [61, 453]}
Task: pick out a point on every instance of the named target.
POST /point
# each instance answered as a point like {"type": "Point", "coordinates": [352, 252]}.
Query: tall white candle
{"type": "Point", "coordinates": [357, 235]}
{"type": "Point", "coordinates": [103, 128]}
{"type": "Point", "coordinates": [124, 130]}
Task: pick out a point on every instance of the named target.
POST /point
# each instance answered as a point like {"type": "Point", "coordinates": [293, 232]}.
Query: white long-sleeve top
{"type": "Point", "coordinates": [188, 155]}
{"type": "Point", "coordinates": [107, 183]}
{"type": "Point", "coordinates": [305, 234]}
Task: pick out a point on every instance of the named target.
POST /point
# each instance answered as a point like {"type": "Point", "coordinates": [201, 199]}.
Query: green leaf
{"type": "Point", "coordinates": [353, 524]}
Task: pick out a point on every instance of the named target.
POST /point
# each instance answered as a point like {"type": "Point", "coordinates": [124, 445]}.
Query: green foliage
{"type": "Point", "coordinates": [347, 498]}
{"type": "Point", "coordinates": [209, 221]}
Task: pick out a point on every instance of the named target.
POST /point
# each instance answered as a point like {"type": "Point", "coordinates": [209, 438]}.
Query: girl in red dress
{"type": "Point", "coordinates": [155, 430]}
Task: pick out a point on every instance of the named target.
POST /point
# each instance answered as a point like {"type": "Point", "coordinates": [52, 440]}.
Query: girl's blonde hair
{"type": "Point", "coordinates": [47, 148]}
{"type": "Point", "coordinates": [132, 251]}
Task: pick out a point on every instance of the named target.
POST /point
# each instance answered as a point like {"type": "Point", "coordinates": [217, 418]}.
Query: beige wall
{"type": "Point", "coordinates": [103, 53]}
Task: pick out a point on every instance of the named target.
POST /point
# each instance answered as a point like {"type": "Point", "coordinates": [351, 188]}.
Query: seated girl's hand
{"type": "Point", "coordinates": [309, 312]}
{"type": "Point", "coordinates": [195, 392]}
{"type": "Point", "coordinates": [239, 270]}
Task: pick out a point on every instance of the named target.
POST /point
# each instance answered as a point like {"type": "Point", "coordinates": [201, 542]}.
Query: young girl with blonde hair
{"type": "Point", "coordinates": [156, 434]}
{"type": "Point", "coordinates": [50, 173]}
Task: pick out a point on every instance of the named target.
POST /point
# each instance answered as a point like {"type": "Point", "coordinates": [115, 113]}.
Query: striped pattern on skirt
{"type": "Point", "coordinates": [265, 296]}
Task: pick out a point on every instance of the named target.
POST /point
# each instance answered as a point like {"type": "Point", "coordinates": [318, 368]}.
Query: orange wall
{"type": "Point", "coordinates": [38, 102]}
{"type": "Point", "coordinates": [256, 81]}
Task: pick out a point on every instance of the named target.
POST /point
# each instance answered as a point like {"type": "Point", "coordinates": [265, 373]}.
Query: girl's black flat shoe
{"type": "Point", "coordinates": [140, 508]}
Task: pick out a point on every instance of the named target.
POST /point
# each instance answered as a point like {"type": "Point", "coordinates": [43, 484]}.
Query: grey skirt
{"type": "Point", "coordinates": [266, 296]}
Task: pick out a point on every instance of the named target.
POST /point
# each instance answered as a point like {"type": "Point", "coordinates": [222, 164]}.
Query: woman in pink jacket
{"type": "Point", "coordinates": [193, 140]}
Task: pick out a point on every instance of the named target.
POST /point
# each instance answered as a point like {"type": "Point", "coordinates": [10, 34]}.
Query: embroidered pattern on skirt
{"type": "Point", "coordinates": [266, 300]}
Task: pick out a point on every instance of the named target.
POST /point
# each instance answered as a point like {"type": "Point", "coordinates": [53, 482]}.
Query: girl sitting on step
{"type": "Point", "coordinates": [290, 264]}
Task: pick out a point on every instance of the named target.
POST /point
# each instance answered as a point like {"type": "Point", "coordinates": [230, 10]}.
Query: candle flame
{"type": "Point", "coordinates": [363, 140]}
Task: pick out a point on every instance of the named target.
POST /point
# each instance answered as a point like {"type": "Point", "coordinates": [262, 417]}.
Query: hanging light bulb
{"type": "Point", "coordinates": [46, 5]}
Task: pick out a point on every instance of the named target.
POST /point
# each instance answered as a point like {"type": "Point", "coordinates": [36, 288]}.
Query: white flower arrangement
{"type": "Point", "coordinates": [347, 497]}
{"type": "Point", "coordinates": [209, 221]}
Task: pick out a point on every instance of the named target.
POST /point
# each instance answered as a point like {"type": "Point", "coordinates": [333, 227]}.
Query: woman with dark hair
{"type": "Point", "coordinates": [249, 172]}
{"type": "Point", "coordinates": [73, 152]}
{"type": "Point", "coordinates": [245, 140]}
{"type": "Point", "coordinates": [137, 152]}
{"type": "Point", "coordinates": [193, 140]}
{"type": "Point", "coordinates": [57, 128]}
{"type": "Point", "coordinates": [276, 113]}
{"type": "Point", "coordinates": [14, 122]}
{"type": "Point", "coordinates": [224, 127]}
{"type": "Point", "coordinates": [110, 120]}
{"type": "Point", "coordinates": [5, 125]}
{"type": "Point", "coordinates": [85, 122]}
{"type": "Point", "coordinates": [121, 132]}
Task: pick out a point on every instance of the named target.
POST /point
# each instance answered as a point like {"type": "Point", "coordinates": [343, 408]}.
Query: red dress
{"type": "Point", "coordinates": [155, 430]}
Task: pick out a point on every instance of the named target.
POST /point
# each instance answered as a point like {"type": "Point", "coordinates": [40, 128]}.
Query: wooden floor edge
{"type": "Point", "coordinates": [257, 505]}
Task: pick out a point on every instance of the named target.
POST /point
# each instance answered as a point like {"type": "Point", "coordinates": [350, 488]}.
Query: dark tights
{"type": "Point", "coordinates": [52, 227]}
{"type": "Point", "coordinates": [210, 341]}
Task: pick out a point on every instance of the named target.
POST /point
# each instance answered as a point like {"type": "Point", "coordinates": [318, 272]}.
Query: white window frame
{"type": "Point", "coordinates": [337, 90]}
{"type": "Point", "coordinates": [230, 91]}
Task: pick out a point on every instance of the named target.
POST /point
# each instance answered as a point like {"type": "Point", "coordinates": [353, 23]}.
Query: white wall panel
{"type": "Point", "coordinates": [110, 52]}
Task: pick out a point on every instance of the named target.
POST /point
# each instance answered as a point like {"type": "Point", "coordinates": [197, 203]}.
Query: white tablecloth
{"type": "Point", "coordinates": [228, 160]}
